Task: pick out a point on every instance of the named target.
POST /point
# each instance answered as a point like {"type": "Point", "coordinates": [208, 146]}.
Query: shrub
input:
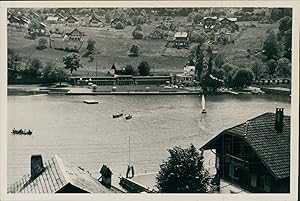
{"type": "Point", "coordinates": [134, 50]}
{"type": "Point", "coordinates": [42, 44]}
{"type": "Point", "coordinates": [138, 34]}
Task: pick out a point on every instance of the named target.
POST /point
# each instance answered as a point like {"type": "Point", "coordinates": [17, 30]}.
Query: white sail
{"type": "Point", "coordinates": [203, 102]}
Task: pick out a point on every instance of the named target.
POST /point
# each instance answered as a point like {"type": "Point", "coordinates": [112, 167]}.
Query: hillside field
{"type": "Point", "coordinates": [112, 47]}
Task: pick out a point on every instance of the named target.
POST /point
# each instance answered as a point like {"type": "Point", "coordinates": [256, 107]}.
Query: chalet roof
{"type": "Point", "coordinates": [56, 175]}
{"type": "Point", "coordinates": [59, 15]}
{"type": "Point", "coordinates": [71, 16]}
{"type": "Point", "coordinates": [42, 24]}
{"type": "Point", "coordinates": [214, 18]}
{"type": "Point", "coordinates": [232, 19]}
{"type": "Point", "coordinates": [116, 20]}
{"type": "Point", "coordinates": [52, 18]}
{"type": "Point", "coordinates": [75, 30]}
{"type": "Point", "coordinates": [94, 17]}
{"type": "Point", "coordinates": [34, 14]}
{"type": "Point", "coordinates": [14, 17]}
{"type": "Point", "coordinates": [180, 35]}
{"type": "Point", "coordinates": [272, 148]}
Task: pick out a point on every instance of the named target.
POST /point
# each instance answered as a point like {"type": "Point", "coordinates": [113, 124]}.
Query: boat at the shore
{"type": "Point", "coordinates": [21, 132]}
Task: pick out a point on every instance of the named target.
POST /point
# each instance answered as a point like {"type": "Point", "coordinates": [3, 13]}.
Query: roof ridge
{"type": "Point", "coordinates": [62, 167]}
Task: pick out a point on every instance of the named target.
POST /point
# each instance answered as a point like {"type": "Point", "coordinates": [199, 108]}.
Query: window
{"type": "Point", "coordinates": [233, 172]}
{"type": "Point", "coordinates": [267, 182]}
{"type": "Point", "coordinates": [253, 180]}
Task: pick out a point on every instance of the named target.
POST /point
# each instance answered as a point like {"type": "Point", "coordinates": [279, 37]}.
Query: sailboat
{"type": "Point", "coordinates": [204, 110]}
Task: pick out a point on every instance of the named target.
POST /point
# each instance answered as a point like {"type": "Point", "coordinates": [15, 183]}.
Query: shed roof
{"type": "Point", "coordinates": [232, 19]}
{"type": "Point", "coordinates": [180, 35]}
{"type": "Point", "coordinates": [208, 17]}
{"type": "Point", "coordinates": [57, 174]}
{"type": "Point", "coordinates": [272, 148]}
{"type": "Point", "coordinates": [51, 18]}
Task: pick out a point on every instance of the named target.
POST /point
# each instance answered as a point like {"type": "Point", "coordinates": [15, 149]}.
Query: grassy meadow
{"type": "Point", "coordinates": [112, 47]}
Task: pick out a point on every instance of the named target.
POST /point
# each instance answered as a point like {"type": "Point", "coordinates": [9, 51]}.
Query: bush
{"type": "Point", "coordinates": [134, 50]}
{"type": "Point", "coordinates": [138, 34]}
{"type": "Point", "coordinates": [144, 68]}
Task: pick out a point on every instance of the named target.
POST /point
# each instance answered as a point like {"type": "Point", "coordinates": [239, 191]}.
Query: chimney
{"type": "Point", "coordinates": [279, 120]}
{"type": "Point", "coordinates": [106, 175]}
{"type": "Point", "coordinates": [37, 166]}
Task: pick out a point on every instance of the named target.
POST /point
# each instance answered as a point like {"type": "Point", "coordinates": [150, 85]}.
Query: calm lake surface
{"type": "Point", "coordinates": [88, 136]}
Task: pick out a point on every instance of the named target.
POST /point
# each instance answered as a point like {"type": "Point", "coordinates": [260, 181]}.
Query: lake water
{"type": "Point", "coordinates": [88, 136]}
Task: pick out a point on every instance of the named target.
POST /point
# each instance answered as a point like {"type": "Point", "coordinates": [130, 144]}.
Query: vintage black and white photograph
{"type": "Point", "coordinates": [149, 99]}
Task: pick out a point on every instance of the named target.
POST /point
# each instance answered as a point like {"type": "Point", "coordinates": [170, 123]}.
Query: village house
{"type": "Point", "coordinates": [181, 39]}
{"type": "Point", "coordinates": [52, 20]}
{"type": "Point", "coordinates": [209, 22]}
{"type": "Point", "coordinates": [95, 21]}
{"type": "Point", "coordinates": [71, 20]}
{"type": "Point", "coordinates": [255, 155]}
{"type": "Point", "coordinates": [75, 34]}
{"type": "Point", "coordinates": [58, 176]}
{"type": "Point", "coordinates": [188, 75]}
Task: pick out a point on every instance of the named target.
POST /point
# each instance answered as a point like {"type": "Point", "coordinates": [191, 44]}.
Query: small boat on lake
{"type": "Point", "coordinates": [128, 116]}
{"type": "Point", "coordinates": [21, 132]}
{"type": "Point", "coordinates": [90, 101]}
{"type": "Point", "coordinates": [117, 115]}
{"type": "Point", "coordinates": [204, 110]}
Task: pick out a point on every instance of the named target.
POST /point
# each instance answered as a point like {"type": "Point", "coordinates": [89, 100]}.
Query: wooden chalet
{"type": "Point", "coordinates": [75, 34]}
{"type": "Point", "coordinates": [181, 39]}
{"type": "Point", "coordinates": [95, 21]}
{"type": "Point", "coordinates": [209, 22]}
{"type": "Point", "coordinates": [71, 20]}
{"type": "Point", "coordinates": [255, 155]}
{"type": "Point", "coordinates": [58, 176]}
{"type": "Point", "coordinates": [229, 23]}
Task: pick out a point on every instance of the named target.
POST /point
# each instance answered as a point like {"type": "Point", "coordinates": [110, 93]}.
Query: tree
{"type": "Point", "coordinates": [197, 18]}
{"type": "Point", "coordinates": [72, 62]}
{"type": "Point", "coordinates": [190, 17]}
{"type": "Point", "coordinates": [283, 67]}
{"type": "Point", "coordinates": [183, 172]}
{"type": "Point", "coordinates": [58, 74]}
{"type": "Point", "coordinates": [198, 56]}
{"type": "Point", "coordinates": [144, 68]}
{"type": "Point", "coordinates": [91, 45]}
{"type": "Point", "coordinates": [220, 59]}
{"type": "Point", "coordinates": [243, 77]}
{"type": "Point", "coordinates": [285, 24]}
{"type": "Point", "coordinates": [42, 43]}
{"type": "Point", "coordinates": [214, 80]}
{"type": "Point", "coordinates": [107, 17]}
{"type": "Point", "coordinates": [129, 70]}
{"type": "Point", "coordinates": [138, 33]}
{"type": "Point", "coordinates": [270, 46]}
{"type": "Point", "coordinates": [13, 63]}
{"type": "Point", "coordinates": [33, 69]}
{"type": "Point", "coordinates": [134, 50]}
{"type": "Point", "coordinates": [271, 67]}
{"type": "Point", "coordinates": [258, 69]}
